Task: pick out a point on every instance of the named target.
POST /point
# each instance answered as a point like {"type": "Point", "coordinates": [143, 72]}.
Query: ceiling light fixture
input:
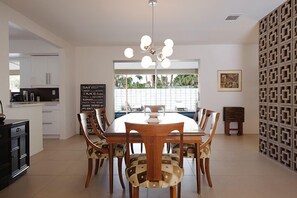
{"type": "Point", "coordinates": [147, 46]}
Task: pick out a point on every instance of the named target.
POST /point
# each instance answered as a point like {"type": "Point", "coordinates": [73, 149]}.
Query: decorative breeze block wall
{"type": "Point", "coordinates": [278, 84]}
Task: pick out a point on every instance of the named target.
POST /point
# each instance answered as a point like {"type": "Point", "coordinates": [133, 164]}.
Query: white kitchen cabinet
{"type": "Point", "coordinates": [45, 71]}
{"type": "Point", "coordinates": [25, 72]}
{"type": "Point", "coordinates": [51, 120]}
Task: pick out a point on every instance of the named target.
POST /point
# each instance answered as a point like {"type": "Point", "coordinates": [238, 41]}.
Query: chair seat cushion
{"type": "Point", "coordinates": [119, 150]}
{"type": "Point", "coordinates": [172, 173]}
{"type": "Point", "coordinates": [189, 150]}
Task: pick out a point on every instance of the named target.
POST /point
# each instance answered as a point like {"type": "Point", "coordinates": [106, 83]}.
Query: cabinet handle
{"type": "Point", "coordinates": [47, 123]}
{"type": "Point", "coordinates": [49, 78]}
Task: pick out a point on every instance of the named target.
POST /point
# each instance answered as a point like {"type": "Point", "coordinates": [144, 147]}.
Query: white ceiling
{"type": "Point", "coordinates": [121, 23]}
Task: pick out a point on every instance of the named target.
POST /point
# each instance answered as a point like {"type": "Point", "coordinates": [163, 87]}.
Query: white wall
{"type": "Point", "coordinates": [95, 65]}
{"type": "Point", "coordinates": [66, 53]}
{"type": "Point", "coordinates": [31, 47]}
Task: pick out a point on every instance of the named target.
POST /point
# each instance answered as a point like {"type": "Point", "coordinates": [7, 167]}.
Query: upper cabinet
{"type": "Point", "coordinates": [25, 72]}
{"type": "Point", "coordinates": [45, 71]}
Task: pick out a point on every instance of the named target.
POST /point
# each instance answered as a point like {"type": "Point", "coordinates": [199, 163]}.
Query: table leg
{"type": "Point", "coordinates": [227, 128]}
{"type": "Point", "coordinates": [110, 157]}
{"type": "Point", "coordinates": [240, 128]}
{"type": "Point", "coordinates": [198, 178]}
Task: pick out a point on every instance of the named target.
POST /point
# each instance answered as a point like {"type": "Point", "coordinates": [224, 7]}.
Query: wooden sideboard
{"type": "Point", "coordinates": [14, 150]}
{"type": "Point", "coordinates": [233, 114]}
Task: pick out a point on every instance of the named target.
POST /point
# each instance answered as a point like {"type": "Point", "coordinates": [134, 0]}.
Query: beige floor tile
{"type": "Point", "coordinates": [26, 187]}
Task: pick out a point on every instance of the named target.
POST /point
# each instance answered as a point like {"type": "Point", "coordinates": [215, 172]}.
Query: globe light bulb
{"type": "Point", "coordinates": [146, 40]}
{"type": "Point", "coordinates": [160, 56]}
{"type": "Point", "coordinates": [165, 63]}
{"type": "Point", "coordinates": [167, 51]}
{"type": "Point", "coordinates": [129, 52]}
{"type": "Point", "coordinates": [142, 47]}
{"type": "Point", "coordinates": [146, 61]}
{"type": "Point", "coordinates": [169, 43]}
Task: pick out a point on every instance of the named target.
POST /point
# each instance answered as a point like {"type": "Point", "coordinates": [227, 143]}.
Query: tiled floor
{"type": "Point", "coordinates": [237, 169]}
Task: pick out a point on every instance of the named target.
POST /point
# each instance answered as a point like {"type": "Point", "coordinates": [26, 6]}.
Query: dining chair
{"type": "Point", "coordinates": [97, 147]}
{"type": "Point", "coordinates": [199, 117]}
{"type": "Point", "coordinates": [103, 122]}
{"type": "Point", "coordinates": [205, 147]}
{"type": "Point", "coordinates": [102, 119]}
{"type": "Point", "coordinates": [154, 169]}
{"type": "Point", "coordinates": [154, 108]}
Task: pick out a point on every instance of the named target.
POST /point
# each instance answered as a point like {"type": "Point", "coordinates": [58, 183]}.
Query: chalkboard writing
{"type": "Point", "coordinates": [92, 96]}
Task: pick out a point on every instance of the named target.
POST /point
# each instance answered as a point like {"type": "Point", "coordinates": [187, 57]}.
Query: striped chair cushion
{"type": "Point", "coordinates": [171, 172]}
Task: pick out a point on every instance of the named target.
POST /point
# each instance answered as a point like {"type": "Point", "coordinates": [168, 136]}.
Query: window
{"type": "Point", "coordinates": [14, 76]}
{"type": "Point", "coordinates": [175, 87]}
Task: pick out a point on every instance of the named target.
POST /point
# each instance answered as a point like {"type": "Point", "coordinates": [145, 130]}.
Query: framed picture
{"type": "Point", "coordinates": [229, 80]}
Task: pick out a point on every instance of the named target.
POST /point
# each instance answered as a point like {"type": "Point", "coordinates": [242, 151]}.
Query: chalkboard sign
{"type": "Point", "coordinates": [92, 96]}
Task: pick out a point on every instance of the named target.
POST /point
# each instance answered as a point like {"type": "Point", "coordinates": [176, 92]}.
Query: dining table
{"type": "Point", "coordinates": [116, 134]}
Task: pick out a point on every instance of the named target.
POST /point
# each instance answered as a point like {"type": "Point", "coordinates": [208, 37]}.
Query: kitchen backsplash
{"type": "Point", "coordinates": [44, 94]}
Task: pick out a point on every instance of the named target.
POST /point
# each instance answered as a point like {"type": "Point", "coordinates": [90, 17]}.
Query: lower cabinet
{"type": "Point", "coordinates": [14, 150]}
{"type": "Point", "coordinates": [50, 121]}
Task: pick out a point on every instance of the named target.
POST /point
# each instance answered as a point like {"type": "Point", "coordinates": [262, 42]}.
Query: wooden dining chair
{"type": "Point", "coordinates": [102, 122]}
{"type": "Point", "coordinates": [200, 117]}
{"type": "Point", "coordinates": [154, 108]}
{"type": "Point", "coordinates": [204, 148]}
{"type": "Point", "coordinates": [97, 147]}
{"type": "Point", "coordinates": [102, 119]}
{"type": "Point", "coordinates": [154, 169]}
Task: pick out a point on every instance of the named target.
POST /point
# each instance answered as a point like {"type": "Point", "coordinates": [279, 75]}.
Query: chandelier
{"type": "Point", "coordinates": [147, 46]}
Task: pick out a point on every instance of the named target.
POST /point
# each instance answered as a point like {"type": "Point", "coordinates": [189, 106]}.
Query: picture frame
{"type": "Point", "coordinates": [229, 80]}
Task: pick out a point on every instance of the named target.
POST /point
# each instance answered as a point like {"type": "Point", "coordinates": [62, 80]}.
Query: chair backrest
{"type": "Point", "coordinates": [101, 112]}
{"type": "Point", "coordinates": [83, 119]}
{"type": "Point", "coordinates": [154, 136]}
{"type": "Point", "coordinates": [214, 116]}
{"type": "Point", "coordinates": [199, 116]}
{"type": "Point", "coordinates": [154, 108]}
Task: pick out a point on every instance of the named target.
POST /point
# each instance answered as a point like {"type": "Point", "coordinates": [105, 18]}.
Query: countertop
{"type": "Point", "coordinates": [31, 104]}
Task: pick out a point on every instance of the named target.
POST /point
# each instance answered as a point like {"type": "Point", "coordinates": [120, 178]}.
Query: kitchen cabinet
{"type": "Point", "coordinates": [50, 120]}
{"type": "Point", "coordinates": [25, 72]}
{"type": "Point", "coordinates": [14, 150]}
{"type": "Point", "coordinates": [45, 71]}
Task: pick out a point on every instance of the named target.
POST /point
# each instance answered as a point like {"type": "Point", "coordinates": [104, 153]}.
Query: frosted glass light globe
{"type": "Point", "coordinates": [169, 43]}
{"type": "Point", "coordinates": [167, 51]}
{"type": "Point", "coordinates": [129, 52]}
{"type": "Point", "coordinates": [160, 57]}
{"type": "Point", "coordinates": [142, 47]}
{"type": "Point", "coordinates": [146, 61]}
{"type": "Point", "coordinates": [146, 40]}
{"type": "Point", "coordinates": [166, 63]}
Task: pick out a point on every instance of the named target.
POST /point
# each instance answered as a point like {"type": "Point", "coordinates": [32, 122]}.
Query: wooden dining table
{"type": "Point", "coordinates": [116, 134]}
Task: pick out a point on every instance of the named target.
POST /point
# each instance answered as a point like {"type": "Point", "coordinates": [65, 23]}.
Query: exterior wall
{"type": "Point", "coordinates": [278, 85]}
{"type": "Point", "coordinates": [170, 97]}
